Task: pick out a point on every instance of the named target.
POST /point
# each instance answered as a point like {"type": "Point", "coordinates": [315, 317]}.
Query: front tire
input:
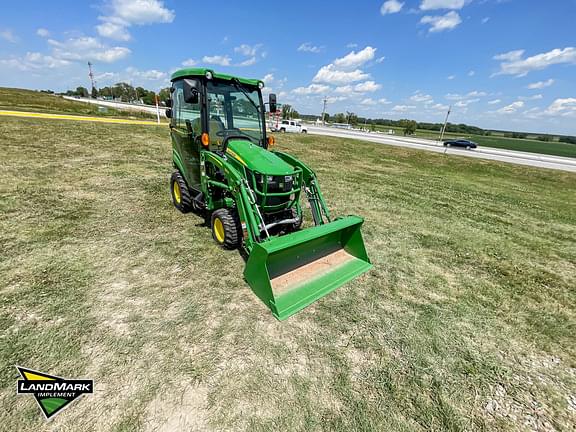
{"type": "Point", "coordinates": [304, 131]}
{"type": "Point", "coordinates": [226, 230]}
{"type": "Point", "coordinates": [283, 130]}
{"type": "Point", "coordinates": [180, 193]}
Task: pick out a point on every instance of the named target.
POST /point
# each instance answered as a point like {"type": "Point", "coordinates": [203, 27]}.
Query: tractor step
{"type": "Point", "coordinates": [292, 271]}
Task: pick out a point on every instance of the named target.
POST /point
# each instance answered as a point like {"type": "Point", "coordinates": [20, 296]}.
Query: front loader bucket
{"type": "Point", "coordinates": [292, 271]}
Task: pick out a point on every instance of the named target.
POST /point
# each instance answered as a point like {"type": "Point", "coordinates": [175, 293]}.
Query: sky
{"type": "Point", "coordinates": [500, 64]}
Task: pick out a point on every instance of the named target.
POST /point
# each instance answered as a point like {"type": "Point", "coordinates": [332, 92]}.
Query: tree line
{"type": "Point", "coordinates": [122, 91]}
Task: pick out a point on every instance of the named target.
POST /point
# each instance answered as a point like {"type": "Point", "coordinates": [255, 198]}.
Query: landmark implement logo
{"type": "Point", "coordinates": [52, 393]}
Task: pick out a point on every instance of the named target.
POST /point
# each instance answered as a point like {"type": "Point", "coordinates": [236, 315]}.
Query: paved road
{"type": "Point", "coordinates": [74, 118]}
{"type": "Point", "coordinates": [508, 156]}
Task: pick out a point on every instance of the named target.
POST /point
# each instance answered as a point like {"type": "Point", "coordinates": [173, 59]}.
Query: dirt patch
{"type": "Point", "coordinates": [179, 410]}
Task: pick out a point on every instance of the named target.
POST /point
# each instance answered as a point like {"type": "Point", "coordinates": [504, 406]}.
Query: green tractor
{"type": "Point", "coordinates": [227, 171]}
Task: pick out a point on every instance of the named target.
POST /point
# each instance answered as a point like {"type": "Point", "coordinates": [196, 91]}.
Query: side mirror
{"type": "Point", "coordinates": [168, 113]}
{"type": "Point", "coordinates": [168, 103]}
{"type": "Point", "coordinates": [191, 93]}
{"type": "Point", "coordinates": [272, 102]}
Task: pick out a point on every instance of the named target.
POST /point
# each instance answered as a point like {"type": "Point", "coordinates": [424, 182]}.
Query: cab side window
{"type": "Point", "coordinates": [182, 111]}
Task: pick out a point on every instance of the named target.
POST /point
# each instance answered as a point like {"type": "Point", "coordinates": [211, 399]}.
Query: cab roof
{"type": "Point", "coordinates": [202, 72]}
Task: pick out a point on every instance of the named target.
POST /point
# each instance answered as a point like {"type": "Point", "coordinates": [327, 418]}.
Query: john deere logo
{"type": "Point", "coordinates": [52, 393]}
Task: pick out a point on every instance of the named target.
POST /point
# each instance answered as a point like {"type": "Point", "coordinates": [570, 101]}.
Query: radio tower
{"type": "Point", "coordinates": [91, 75]}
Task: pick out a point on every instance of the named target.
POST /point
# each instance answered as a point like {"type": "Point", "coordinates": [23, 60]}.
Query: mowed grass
{"type": "Point", "coordinates": [466, 322]}
{"type": "Point", "coordinates": [497, 140]}
{"type": "Point", "coordinates": [13, 99]}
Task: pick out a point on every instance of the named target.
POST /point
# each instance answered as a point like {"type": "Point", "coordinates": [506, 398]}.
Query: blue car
{"type": "Point", "coordinates": [467, 144]}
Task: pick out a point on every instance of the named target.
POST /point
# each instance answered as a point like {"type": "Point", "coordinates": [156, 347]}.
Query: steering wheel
{"type": "Point", "coordinates": [234, 131]}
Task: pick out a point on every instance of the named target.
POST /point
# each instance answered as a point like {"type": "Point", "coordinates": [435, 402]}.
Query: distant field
{"type": "Point", "coordinates": [35, 101]}
{"type": "Point", "coordinates": [554, 148]}
{"type": "Point", "coordinates": [465, 323]}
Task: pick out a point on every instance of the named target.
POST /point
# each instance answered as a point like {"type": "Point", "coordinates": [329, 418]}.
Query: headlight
{"type": "Point", "coordinates": [260, 85]}
{"type": "Point", "coordinates": [208, 75]}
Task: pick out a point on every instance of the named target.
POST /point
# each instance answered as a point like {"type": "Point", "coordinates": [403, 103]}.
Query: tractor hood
{"type": "Point", "coordinates": [256, 158]}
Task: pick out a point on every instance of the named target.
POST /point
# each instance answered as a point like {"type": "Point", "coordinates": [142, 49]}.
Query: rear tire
{"type": "Point", "coordinates": [226, 230]}
{"type": "Point", "coordinates": [282, 130]}
{"type": "Point", "coordinates": [468, 147]}
{"type": "Point", "coordinates": [180, 193]}
{"type": "Point", "coordinates": [304, 131]}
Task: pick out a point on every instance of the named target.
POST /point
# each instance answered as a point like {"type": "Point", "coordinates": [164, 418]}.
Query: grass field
{"type": "Point", "coordinates": [466, 322]}
{"type": "Point", "coordinates": [554, 148]}
{"type": "Point", "coordinates": [29, 100]}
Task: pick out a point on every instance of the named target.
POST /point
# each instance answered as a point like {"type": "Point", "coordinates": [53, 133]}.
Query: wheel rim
{"type": "Point", "coordinates": [176, 190]}
{"type": "Point", "coordinates": [219, 230]}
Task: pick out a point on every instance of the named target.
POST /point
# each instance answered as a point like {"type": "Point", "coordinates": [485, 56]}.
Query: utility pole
{"type": "Point", "coordinates": [91, 75]}
{"type": "Point", "coordinates": [324, 111]}
{"type": "Point", "coordinates": [445, 123]}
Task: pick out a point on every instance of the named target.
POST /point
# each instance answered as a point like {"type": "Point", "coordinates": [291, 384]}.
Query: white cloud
{"type": "Point", "coordinates": [442, 4]}
{"type": "Point", "coordinates": [420, 97]}
{"type": "Point", "coordinates": [367, 86]}
{"type": "Point", "coordinates": [465, 103]}
{"type": "Point", "coordinates": [565, 107]}
{"type": "Point", "coordinates": [439, 107]}
{"type": "Point", "coordinates": [368, 101]}
{"type": "Point", "coordinates": [34, 60]}
{"type": "Point", "coordinates": [330, 74]}
{"type": "Point", "coordinates": [443, 22]}
{"type": "Point", "coordinates": [541, 84]}
{"type": "Point", "coordinates": [485, 20]}
{"type": "Point", "coordinates": [42, 32]}
{"type": "Point", "coordinates": [403, 108]}
{"type": "Point", "coordinates": [125, 13]}
{"type": "Point", "coordinates": [247, 62]}
{"type": "Point", "coordinates": [494, 102]}
{"type": "Point", "coordinates": [344, 89]}
{"type": "Point", "coordinates": [355, 59]}
{"type": "Point", "coordinates": [472, 94]}
{"type": "Point", "coordinates": [333, 99]}
{"type": "Point", "coordinates": [512, 108]}
{"type": "Point", "coordinates": [268, 78]}
{"type": "Point", "coordinates": [345, 70]}
{"type": "Point", "coordinates": [380, 59]}
{"type": "Point", "coordinates": [142, 12]}
{"type": "Point", "coordinates": [87, 48]}
{"type": "Point", "coordinates": [149, 75]}
{"type": "Point", "coordinates": [113, 31]}
{"type": "Point", "coordinates": [8, 35]}
{"type": "Point", "coordinates": [510, 56]}
{"type": "Point", "coordinates": [471, 73]}
{"type": "Point", "coordinates": [189, 63]}
{"type": "Point", "coordinates": [391, 7]}
{"type": "Point", "coordinates": [514, 64]}
{"type": "Point", "coordinates": [308, 47]}
{"type": "Point", "coordinates": [451, 77]}
{"type": "Point", "coordinates": [534, 97]}
{"type": "Point", "coordinates": [248, 50]}
{"type": "Point", "coordinates": [352, 45]}
{"type": "Point", "coordinates": [217, 60]}
{"type": "Point", "coordinates": [311, 89]}
{"type": "Point", "coordinates": [384, 101]}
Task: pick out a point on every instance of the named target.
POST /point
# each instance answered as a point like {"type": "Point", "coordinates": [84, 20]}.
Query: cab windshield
{"type": "Point", "coordinates": [234, 110]}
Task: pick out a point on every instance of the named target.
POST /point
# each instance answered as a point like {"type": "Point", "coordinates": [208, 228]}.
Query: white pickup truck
{"type": "Point", "coordinates": [292, 126]}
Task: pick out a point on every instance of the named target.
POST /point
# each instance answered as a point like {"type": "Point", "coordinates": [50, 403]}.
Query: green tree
{"type": "Point", "coordinates": [409, 126]}
{"type": "Point", "coordinates": [94, 93]}
{"type": "Point", "coordinates": [339, 118]}
{"type": "Point", "coordinates": [81, 91]}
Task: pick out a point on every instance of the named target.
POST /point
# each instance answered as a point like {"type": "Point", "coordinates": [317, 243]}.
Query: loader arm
{"type": "Point", "coordinates": [236, 184]}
